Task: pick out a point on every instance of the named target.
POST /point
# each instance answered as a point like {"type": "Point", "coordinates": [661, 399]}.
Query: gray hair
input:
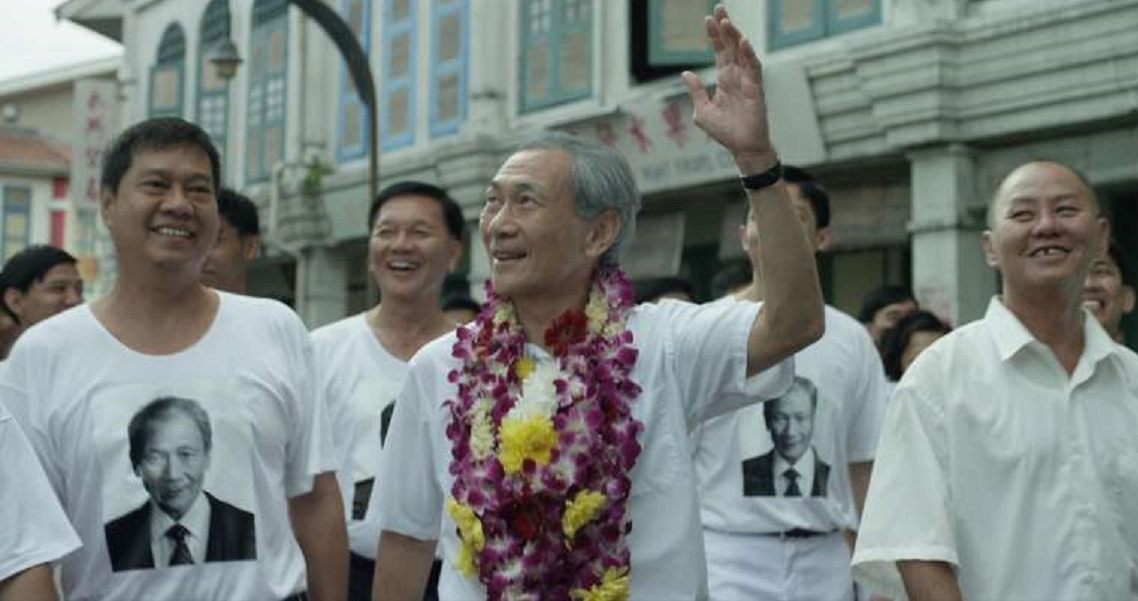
{"type": "Point", "coordinates": [602, 181]}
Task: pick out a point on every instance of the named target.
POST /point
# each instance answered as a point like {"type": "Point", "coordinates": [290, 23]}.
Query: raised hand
{"type": "Point", "coordinates": [736, 116]}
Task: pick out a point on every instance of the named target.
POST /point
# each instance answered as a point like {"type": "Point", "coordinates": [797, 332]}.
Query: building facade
{"type": "Point", "coordinates": [39, 151]}
{"type": "Point", "coordinates": [910, 111]}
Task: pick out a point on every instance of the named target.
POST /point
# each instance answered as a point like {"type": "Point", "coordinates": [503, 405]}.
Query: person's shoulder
{"type": "Point", "coordinates": [255, 313]}
{"type": "Point", "coordinates": [221, 508]}
{"type": "Point", "coordinates": [439, 351]}
{"type": "Point", "coordinates": [128, 521]}
{"type": "Point", "coordinates": [61, 328]}
{"type": "Point", "coordinates": [339, 329]}
{"type": "Point", "coordinates": [1128, 359]}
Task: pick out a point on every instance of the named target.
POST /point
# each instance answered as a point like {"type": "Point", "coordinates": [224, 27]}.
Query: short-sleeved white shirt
{"type": "Point", "coordinates": [691, 365]}
{"type": "Point", "coordinates": [994, 460]}
{"type": "Point", "coordinates": [35, 529]}
{"type": "Point", "coordinates": [360, 380]}
{"type": "Point", "coordinates": [845, 369]}
{"type": "Point", "coordinates": [75, 389]}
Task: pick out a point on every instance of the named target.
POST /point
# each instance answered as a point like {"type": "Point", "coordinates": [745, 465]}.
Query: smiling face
{"type": "Point", "coordinates": [1045, 231]}
{"type": "Point", "coordinates": [537, 244]}
{"type": "Point", "coordinates": [164, 213]}
{"type": "Point", "coordinates": [173, 462]}
{"type": "Point", "coordinates": [1107, 296]}
{"type": "Point", "coordinates": [410, 250]}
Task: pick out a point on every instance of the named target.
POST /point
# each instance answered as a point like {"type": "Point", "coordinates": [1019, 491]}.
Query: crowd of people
{"type": "Point", "coordinates": [573, 437]}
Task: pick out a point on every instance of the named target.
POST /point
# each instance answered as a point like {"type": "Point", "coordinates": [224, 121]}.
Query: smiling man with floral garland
{"type": "Point", "coordinates": [544, 445]}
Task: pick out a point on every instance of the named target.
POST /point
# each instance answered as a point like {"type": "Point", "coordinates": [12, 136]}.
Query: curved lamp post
{"type": "Point", "coordinates": [226, 60]}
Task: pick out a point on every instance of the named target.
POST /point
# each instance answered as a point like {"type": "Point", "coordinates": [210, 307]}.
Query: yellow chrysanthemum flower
{"type": "Point", "coordinates": [469, 527]}
{"type": "Point", "coordinates": [612, 587]}
{"type": "Point", "coordinates": [530, 438]}
{"type": "Point", "coordinates": [465, 563]}
{"type": "Point", "coordinates": [596, 312]}
{"type": "Point", "coordinates": [581, 510]}
{"type": "Point", "coordinates": [524, 367]}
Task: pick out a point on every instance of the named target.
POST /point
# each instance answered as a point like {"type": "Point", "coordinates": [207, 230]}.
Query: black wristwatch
{"type": "Point", "coordinates": [758, 181]}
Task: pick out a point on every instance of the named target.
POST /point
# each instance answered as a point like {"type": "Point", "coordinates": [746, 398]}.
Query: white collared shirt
{"type": "Point", "coordinates": [691, 366]}
{"type": "Point", "coordinates": [805, 468]}
{"type": "Point", "coordinates": [196, 521]}
{"type": "Point", "coordinates": [994, 460]}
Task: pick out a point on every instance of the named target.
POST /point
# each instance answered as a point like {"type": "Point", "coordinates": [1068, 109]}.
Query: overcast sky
{"type": "Point", "coordinates": [31, 40]}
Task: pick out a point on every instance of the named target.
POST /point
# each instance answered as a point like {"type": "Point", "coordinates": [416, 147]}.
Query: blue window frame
{"type": "Point", "coordinates": [400, 41]}
{"type": "Point", "coordinates": [792, 22]}
{"type": "Point", "coordinates": [557, 52]}
{"type": "Point", "coordinates": [450, 43]}
{"type": "Point", "coordinates": [352, 132]}
{"type": "Point", "coordinates": [17, 219]}
{"type": "Point", "coordinates": [672, 39]}
{"type": "Point", "coordinates": [268, 83]}
{"type": "Point", "coordinates": [213, 91]}
{"type": "Point", "coordinates": [168, 73]}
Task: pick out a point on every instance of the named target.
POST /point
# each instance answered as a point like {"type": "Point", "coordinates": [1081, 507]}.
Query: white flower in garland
{"type": "Point", "coordinates": [539, 392]}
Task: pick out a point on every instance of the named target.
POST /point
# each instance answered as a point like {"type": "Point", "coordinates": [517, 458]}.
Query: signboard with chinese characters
{"type": "Point", "coordinates": [95, 114]}
{"type": "Point", "coordinates": [667, 150]}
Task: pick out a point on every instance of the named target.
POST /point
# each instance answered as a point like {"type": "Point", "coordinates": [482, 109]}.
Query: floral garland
{"type": "Point", "coordinates": [542, 450]}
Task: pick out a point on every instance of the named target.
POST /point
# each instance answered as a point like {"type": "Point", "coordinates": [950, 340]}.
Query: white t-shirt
{"type": "Point", "coordinates": [360, 380]}
{"type": "Point", "coordinates": [76, 389]}
{"type": "Point", "coordinates": [741, 486]}
{"type": "Point", "coordinates": [994, 460]}
{"type": "Point", "coordinates": [35, 529]}
{"type": "Point", "coordinates": [691, 365]}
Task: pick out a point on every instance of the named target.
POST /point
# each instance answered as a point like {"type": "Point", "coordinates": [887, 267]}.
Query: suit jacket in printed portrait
{"type": "Point", "coordinates": [232, 536]}
{"type": "Point", "coordinates": [759, 476]}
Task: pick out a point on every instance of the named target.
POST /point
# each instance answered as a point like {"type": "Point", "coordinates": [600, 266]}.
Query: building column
{"type": "Point", "coordinates": [950, 276]}
{"type": "Point", "coordinates": [321, 285]}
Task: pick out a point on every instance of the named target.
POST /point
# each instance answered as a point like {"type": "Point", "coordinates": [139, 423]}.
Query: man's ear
{"type": "Point", "coordinates": [823, 238]}
{"type": "Point", "coordinates": [106, 196]}
{"type": "Point", "coordinates": [455, 255]}
{"type": "Point", "coordinates": [250, 246]}
{"type": "Point", "coordinates": [989, 250]}
{"type": "Point", "coordinates": [1127, 299]}
{"type": "Point", "coordinates": [15, 301]}
{"type": "Point", "coordinates": [602, 233]}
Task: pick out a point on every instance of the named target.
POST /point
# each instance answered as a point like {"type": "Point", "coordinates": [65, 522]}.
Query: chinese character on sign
{"type": "Point", "coordinates": [677, 131]}
{"type": "Point", "coordinates": [636, 130]}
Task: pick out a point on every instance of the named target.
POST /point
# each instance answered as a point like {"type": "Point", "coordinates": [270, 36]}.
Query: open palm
{"type": "Point", "coordinates": [736, 115]}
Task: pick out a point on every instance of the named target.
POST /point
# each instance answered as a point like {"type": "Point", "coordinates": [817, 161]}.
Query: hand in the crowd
{"type": "Point", "coordinates": [736, 115]}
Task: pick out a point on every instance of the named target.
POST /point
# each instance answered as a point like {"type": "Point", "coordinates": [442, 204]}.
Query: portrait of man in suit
{"type": "Point", "coordinates": [181, 524]}
{"type": "Point", "coordinates": [792, 468]}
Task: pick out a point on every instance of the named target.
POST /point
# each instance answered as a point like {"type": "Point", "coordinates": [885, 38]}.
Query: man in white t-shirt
{"type": "Point", "coordinates": [1109, 292]}
{"type": "Point", "coordinates": [416, 239]}
{"type": "Point", "coordinates": [1007, 467]}
{"type": "Point", "coordinates": [76, 381]}
{"type": "Point", "coordinates": [36, 531]}
{"type": "Point", "coordinates": [781, 483]}
{"type": "Point", "coordinates": [544, 445]}
{"type": "Point", "coordinates": [35, 284]}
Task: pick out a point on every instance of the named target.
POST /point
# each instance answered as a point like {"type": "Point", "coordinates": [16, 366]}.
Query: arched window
{"type": "Point", "coordinates": [167, 74]}
{"type": "Point", "coordinates": [213, 92]}
{"type": "Point", "coordinates": [268, 78]}
{"type": "Point", "coordinates": [352, 120]}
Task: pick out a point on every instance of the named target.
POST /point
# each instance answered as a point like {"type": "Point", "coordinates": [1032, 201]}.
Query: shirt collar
{"type": "Point", "coordinates": [1011, 335]}
{"type": "Point", "coordinates": [196, 520]}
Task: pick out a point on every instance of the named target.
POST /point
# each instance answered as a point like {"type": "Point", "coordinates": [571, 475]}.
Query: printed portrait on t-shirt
{"type": "Point", "coordinates": [178, 482]}
{"type": "Point", "coordinates": [376, 399]}
{"type": "Point", "coordinates": [792, 466]}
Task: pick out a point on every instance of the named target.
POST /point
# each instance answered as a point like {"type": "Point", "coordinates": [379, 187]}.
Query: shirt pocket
{"type": "Point", "coordinates": [658, 467]}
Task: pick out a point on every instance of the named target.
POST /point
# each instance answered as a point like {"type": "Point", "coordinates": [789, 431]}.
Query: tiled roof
{"type": "Point", "coordinates": [29, 149]}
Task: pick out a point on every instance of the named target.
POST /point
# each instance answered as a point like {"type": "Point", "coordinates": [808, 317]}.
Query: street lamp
{"type": "Point", "coordinates": [225, 61]}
